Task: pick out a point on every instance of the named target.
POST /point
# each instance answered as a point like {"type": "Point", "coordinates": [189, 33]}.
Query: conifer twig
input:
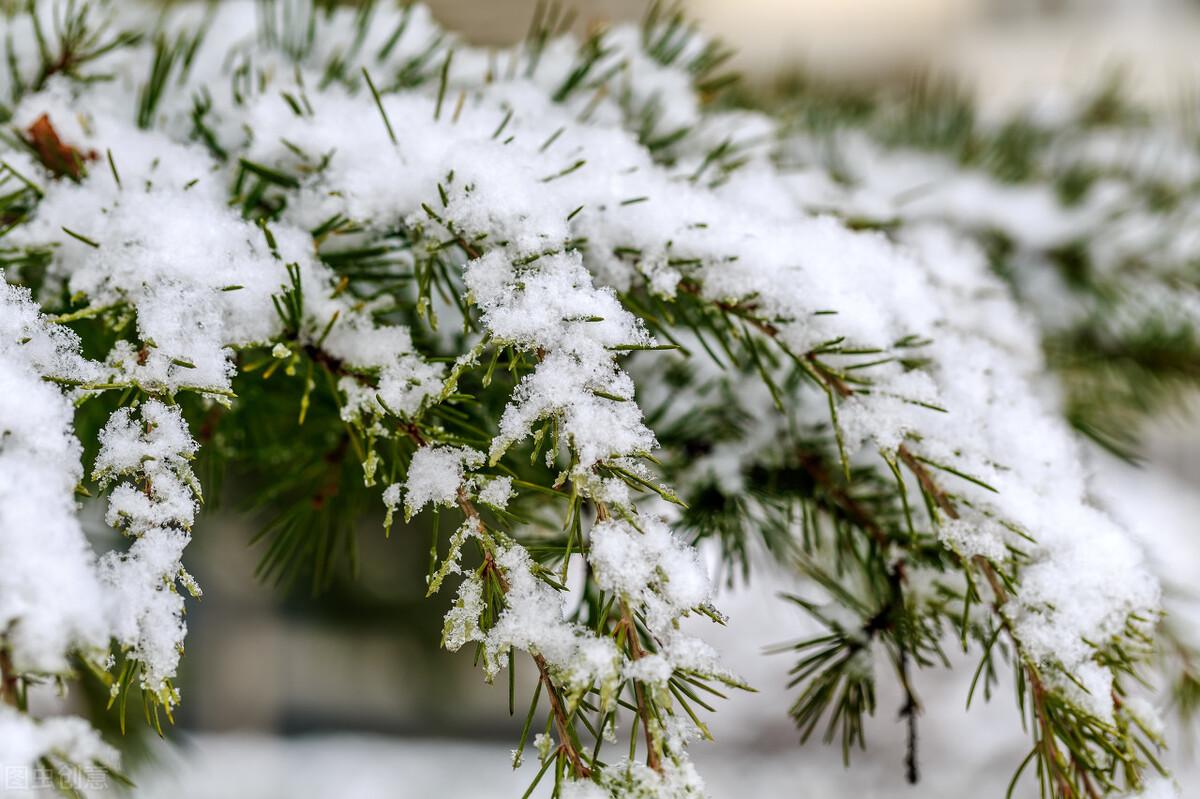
{"type": "Point", "coordinates": [653, 760]}
{"type": "Point", "coordinates": [8, 678]}
{"type": "Point", "coordinates": [558, 712]}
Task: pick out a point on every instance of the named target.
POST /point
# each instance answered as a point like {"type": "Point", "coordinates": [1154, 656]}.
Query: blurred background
{"type": "Point", "coordinates": [1007, 50]}
{"type": "Point", "coordinates": [348, 695]}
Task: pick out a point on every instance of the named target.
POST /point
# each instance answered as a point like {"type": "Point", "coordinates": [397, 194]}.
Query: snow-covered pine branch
{"type": "Point", "coordinates": [557, 294]}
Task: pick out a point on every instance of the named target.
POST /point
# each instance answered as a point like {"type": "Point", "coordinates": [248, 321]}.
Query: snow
{"type": "Point", "coordinates": [552, 307]}
{"type": "Point", "coordinates": [639, 781]}
{"type": "Point", "coordinates": [435, 476]}
{"type": "Point", "coordinates": [650, 565]}
{"type": "Point", "coordinates": [156, 507]}
{"type": "Point", "coordinates": [52, 599]}
{"type": "Point", "coordinates": [1159, 788]}
{"type": "Point", "coordinates": [70, 743]}
{"type": "Point", "coordinates": [50, 595]}
{"type": "Point", "coordinates": [533, 620]}
{"type": "Point", "coordinates": [497, 492]}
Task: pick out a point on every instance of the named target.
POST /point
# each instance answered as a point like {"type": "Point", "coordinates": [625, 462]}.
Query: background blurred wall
{"type": "Point", "coordinates": [1008, 50]}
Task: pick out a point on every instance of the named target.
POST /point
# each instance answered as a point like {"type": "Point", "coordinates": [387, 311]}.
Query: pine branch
{"type": "Point", "coordinates": [531, 411]}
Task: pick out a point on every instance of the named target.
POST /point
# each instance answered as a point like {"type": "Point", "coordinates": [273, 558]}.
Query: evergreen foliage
{"type": "Point", "coordinates": [584, 309]}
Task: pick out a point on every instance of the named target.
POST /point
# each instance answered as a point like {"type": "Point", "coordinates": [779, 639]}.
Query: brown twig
{"type": "Point", "coordinates": [1045, 736]}
{"type": "Point", "coordinates": [927, 482]}
{"type": "Point", "coordinates": [653, 759]}
{"type": "Point", "coordinates": [334, 364]}
{"type": "Point", "coordinates": [471, 251]}
{"type": "Point", "coordinates": [814, 464]}
{"type": "Point", "coordinates": [8, 679]}
{"type": "Point", "coordinates": [566, 745]}
{"type": "Point", "coordinates": [333, 458]}
{"type": "Point", "coordinates": [885, 619]}
{"type": "Point", "coordinates": [831, 378]}
{"type": "Point", "coordinates": [909, 712]}
{"type": "Point", "coordinates": [747, 313]}
{"type": "Point", "coordinates": [741, 310]}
